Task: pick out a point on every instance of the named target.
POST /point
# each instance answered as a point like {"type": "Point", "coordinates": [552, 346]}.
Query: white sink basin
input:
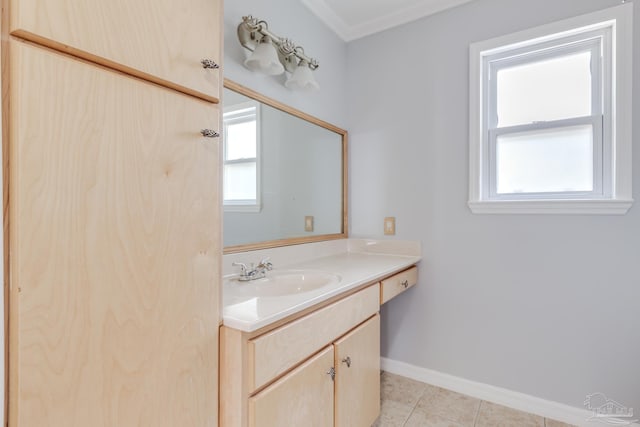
{"type": "Point", "coordinates": [284, 282]}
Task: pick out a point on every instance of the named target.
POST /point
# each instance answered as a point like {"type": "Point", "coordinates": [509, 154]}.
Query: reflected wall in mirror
{"type": "Point", "coordinates": [285, 174]}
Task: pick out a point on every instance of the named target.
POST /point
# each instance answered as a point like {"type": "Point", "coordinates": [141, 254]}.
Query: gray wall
{"type": "Point", "coordinates": [541, 304]}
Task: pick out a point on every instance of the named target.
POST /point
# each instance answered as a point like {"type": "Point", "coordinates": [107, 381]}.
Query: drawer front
{"type": "Point", "coordinates": [304, 397]}
{"type": "Point", "coordinates": [280, 350]}
{"type": "Point", "coordinates": [397, 284]}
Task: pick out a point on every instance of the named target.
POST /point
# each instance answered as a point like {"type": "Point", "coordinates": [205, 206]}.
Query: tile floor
{"type": "Point", "coordinates": [409, 403]}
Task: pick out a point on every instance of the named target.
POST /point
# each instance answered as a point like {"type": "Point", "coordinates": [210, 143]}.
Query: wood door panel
{"type": "Point", "coordinates": [358, 385]}
{"type": "Point", "coordinates": [115, 246]}
{"type": "Point", "coordinates": [304, 397]}
{"type": "Point", "coordinates": [161, 40]}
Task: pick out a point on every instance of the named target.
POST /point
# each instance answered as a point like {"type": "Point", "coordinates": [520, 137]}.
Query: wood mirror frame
{"type": "Point", "coordinates": [236, 87]}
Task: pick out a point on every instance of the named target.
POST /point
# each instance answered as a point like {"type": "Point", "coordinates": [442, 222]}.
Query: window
{"type": "Point", "coordinates": [241, 154]}
{"type": "Point", "coordinates": [550, 123]}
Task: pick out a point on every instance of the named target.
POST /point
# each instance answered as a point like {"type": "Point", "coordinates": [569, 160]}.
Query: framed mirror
{"type": "Point", "coordinates": [284, 174]}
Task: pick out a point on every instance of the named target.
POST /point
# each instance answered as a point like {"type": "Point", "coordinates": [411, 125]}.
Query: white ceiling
{"type": "Point", "coordinates": [352, 19]}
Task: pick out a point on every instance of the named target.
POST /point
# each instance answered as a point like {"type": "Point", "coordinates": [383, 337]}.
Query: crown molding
{"type": "Point", "coordinates": [398, 17]}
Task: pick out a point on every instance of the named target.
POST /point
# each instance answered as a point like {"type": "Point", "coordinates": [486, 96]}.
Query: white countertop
{"type": "Point", "coordinates": [359, 262]}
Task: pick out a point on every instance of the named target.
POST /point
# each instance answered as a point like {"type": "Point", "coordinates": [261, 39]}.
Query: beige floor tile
{"type": "Point", "coordinates": [400, 389]}
{"type": "Point", "coordinates": [452, 406]}
{"type": "Point", "coordinates": [554, 423]}
{"type": "Point", "coordinates": [420, 419]}
{"type": "Point", "coordinates": [492, 415]}
{"type": "Point", "coordinates": [392, 414]}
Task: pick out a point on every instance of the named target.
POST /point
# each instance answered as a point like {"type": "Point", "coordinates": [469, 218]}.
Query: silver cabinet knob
{"type": "Point", "coordinates": [209, 63]}
{"type": "Point", "coordinates": [347, 360]}
{"type": "Point", "coordinates": [332, 373]}
{"type": "Point", "coordinates": [208, 133]}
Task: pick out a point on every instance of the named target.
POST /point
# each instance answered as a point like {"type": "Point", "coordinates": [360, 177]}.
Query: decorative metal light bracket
{"type": "Point", "coordinates": [251, 31]}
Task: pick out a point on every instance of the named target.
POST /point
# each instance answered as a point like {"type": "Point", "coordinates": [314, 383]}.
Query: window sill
{"type": "Point", "coordinates": [242, 208]}
{"type": "Point", "coordinates": [557, 207]}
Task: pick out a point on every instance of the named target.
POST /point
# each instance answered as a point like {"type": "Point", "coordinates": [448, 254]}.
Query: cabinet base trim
{"type": "Point", "coordinates": [501, 396]}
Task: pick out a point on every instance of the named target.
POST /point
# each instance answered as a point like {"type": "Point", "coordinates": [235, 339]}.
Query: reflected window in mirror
{"type": "Point", "coordinates": [241, 154]}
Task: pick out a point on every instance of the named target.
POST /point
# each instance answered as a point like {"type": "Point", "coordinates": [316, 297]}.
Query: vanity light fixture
{"type": "Point", "coordinates": [265, 58]}
{"type": "Point", "coordinates": [274, 55]}
{"type": "Point", "coordinates": [302, 78]}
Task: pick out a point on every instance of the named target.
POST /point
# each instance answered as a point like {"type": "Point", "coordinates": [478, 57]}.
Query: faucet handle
{"type": "Point", "coordinates": [265, 263]}
{"type": "Point", "coordinates": [242, 265]}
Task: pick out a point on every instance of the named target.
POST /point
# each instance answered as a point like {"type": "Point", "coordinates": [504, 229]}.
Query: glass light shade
{"type": "Point", "coordinates": [302, 78]}
{"type": "Point", "coordinates": [265, 59]}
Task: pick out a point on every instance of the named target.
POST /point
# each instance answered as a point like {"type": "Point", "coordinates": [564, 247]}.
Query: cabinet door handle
{"type": "Point", "coordinates": [332, 373]}
{"type": "Point", "coordinates": [208, 133]}
{"type": "Point", "coordinates": [405, 284]}
{"type": "Point", "coordinates": [347, 360]}
{"type": "Point", "coordinates": [209, 63]}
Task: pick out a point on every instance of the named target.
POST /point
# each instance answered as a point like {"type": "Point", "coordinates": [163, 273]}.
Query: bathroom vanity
{"type": "Point", "coordinates": [300, 344]}
{"type": "Point", "coordinates": [310, 354]}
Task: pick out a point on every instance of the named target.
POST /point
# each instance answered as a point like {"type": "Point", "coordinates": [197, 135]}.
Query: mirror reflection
{"type": "Point", "coordinates": [283, 176]}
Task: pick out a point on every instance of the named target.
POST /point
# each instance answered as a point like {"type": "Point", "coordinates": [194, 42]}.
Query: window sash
{"type": "Point", "coordinates": [600, 170]}
{"type": "Point", "coordinates": [534, 54]}
{"type": "Point", "coordinates": [242, 113]}
{"type": "Point", "coordinates": [236, 121]}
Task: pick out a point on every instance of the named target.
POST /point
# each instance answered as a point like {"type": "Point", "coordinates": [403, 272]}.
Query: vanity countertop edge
{"type": "Point", "coordinates": [361, 262]}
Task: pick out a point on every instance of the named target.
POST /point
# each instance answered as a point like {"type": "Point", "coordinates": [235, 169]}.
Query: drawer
{"type": "Point", "coordinates": [398, 283]}
{"type": "Point", "coordinates": [278, 351]}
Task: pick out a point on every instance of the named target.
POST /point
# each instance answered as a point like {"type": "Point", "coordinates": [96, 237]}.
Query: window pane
{"type": "Point", "coordinates": [240, 181]}
{"type": "Point", "coordinates": [545, 161]}
{"type": "Point", "coordinates": [552, 89]}
{"type": "Point", "coordinates": [241, 140]}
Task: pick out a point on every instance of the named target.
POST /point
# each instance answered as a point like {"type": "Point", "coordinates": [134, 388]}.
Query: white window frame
{"type": "Point", "coordinates": [611, 114]}
{"type": "Point", "coordinates": [236, 113]}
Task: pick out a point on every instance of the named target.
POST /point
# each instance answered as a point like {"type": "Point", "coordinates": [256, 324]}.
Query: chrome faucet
{"type": "Point", "coordinates": [253, 273]}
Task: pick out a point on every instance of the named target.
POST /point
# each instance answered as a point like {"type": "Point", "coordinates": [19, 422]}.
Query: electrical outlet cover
{"type": "Point", "coordinates": [390, 225]}
{"type": "Point", "coordinates": [308, 223]}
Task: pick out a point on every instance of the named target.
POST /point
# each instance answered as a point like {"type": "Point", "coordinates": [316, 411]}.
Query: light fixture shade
{"type": "Point", "coordinates": [265, 59]}
{"type": "Point", "coordinates": [302, 78]}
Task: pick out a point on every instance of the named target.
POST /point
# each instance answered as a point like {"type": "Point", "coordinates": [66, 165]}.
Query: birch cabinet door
{"type": "Point", "coordinates": [358, 375]}
{"type": "Point", "coordinates": [303, 397]}
{"type": "Point", "coordinates": [114, 248]}
{"type": "Point", "coordinates": [160, 40]}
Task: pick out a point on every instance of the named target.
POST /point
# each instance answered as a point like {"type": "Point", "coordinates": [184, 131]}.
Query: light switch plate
{"type": "Point", "coordinates": [390, 225]}
{"type": "Point", "coordinates": [308, 223]}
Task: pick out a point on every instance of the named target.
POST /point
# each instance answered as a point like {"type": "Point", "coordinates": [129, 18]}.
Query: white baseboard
{"type": "Point", "coordinates": [512, 399]}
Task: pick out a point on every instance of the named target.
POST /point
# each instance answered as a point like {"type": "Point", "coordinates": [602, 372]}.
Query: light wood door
{"type": "Point", "coordinates": [357, 360]}
{"type": "Point", "coordinates": [160, 40]}
{"type": "Point", "coordinates": [304, 397]}
{"type": "Point", "coordinates": [115, 249]}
